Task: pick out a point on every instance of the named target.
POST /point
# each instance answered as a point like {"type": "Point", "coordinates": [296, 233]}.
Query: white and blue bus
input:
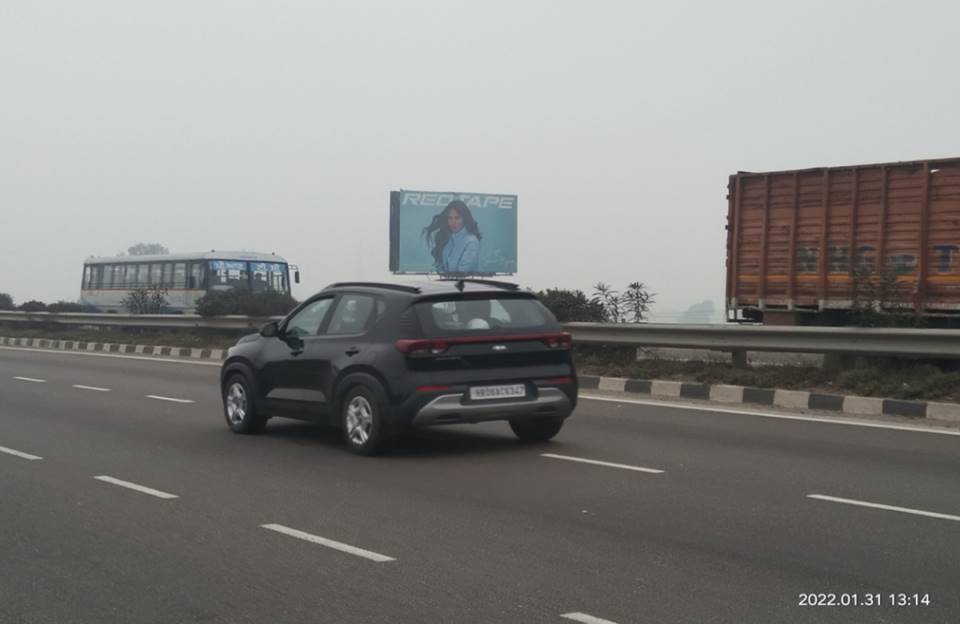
{"type": "Point", "coordinates": [185, 277]}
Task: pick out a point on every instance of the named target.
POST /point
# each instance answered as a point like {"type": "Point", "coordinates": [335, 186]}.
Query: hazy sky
{"type": "Point", "coordinates": [282, 126]}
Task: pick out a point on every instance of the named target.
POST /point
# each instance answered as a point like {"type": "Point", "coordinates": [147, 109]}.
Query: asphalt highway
{"type": "Point", "coordinates": [125, 498]}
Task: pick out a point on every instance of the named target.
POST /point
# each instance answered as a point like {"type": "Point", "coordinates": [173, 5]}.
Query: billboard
{"type": "Point", "coordinates": [453, 233]}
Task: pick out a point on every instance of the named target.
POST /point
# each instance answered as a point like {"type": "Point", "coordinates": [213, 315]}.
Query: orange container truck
{"type": "Point", "coordinates": [804, 246]}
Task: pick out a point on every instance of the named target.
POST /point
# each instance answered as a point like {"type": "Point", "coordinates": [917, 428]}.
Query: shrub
{"type": "Point", "coordinates": [33, 306]}
{"type": "Point", "coordinates": [219, 303]}
{"type": "Point", "coordinates": [151, 300]}
{"type": "Point", "coordinates": [6, 302]}
{"type": "Point", "coordinates": [571, 306]}
{"type": "Point", "coordinates": [64, 306]}
{"type": "Point", "coordinates": [266, 304]}
{"type": "Point", "coordinates": [233, 301]}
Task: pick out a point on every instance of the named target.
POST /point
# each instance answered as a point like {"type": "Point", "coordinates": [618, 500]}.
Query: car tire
{"type": "Point", "coordinates": [536, 430]}
{"type": "Point", "coordinates": [363, 409]}
{"type": "Point", "coordinates": [239, 406]}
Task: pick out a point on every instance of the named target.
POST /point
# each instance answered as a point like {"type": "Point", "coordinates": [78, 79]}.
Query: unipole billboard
{"type": "Point", "coordinates": [449, 233]}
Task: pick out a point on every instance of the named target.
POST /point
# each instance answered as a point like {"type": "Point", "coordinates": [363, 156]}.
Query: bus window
{"type": "Point", "coordinates": [167, 279]}
{"type": "Point", "coordinates": [196, 275]}
{"type": "Point", "coordinates": [268, 276]}
{"type": "Point", "coordinates": [180, 275]}
{"type": "Point", "coordinates": [258, 276]}
{"type": "Point", "coordinates": [228, 274]}
{"type": "Point", "coordinates": [143, 275]}
{"type": "Point", "coordinates": [278, 278]}
{"type": "Point", "coordinates": [107, 279]}
{"type": "Point", "coordinates": [156, 274]}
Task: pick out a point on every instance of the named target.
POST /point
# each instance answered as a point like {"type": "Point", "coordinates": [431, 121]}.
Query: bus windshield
{"type": "Point", "coordinates": [266, 276]}
{"type": "Point", "coordinates": [258, 276]}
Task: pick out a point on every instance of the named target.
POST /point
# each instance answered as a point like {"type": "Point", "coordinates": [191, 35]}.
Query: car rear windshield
{"type": "Point", "coordinates": [478, 315]}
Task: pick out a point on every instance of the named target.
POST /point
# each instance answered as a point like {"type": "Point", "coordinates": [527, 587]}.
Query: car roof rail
{"type": "Point", "coordinates": [485, 282]}
{"type": "Point", "coordinates": [399, 287]}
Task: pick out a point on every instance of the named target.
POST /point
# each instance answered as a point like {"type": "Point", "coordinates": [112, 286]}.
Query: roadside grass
{"type": "Point", "coordinates": [896, 380]}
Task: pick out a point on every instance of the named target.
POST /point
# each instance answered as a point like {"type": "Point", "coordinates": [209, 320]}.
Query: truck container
{"type": "Point", "coordinates": [810, 245]}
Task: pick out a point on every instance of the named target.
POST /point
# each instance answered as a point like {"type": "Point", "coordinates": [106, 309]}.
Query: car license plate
{"type": "Point", "coordinates": [482, 393]}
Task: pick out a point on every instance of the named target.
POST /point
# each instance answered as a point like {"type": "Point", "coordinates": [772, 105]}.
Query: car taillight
{"type": "Point", "coordinates": [427, 347]}
{"type": "Point", "coordinates": [555, 381]}
{"type": "Point", "coordinates": [422, 347]}
{"type": "Point", "coordinates": [558, 341]}
{"type": "Point", "coordinates": [432, 388]}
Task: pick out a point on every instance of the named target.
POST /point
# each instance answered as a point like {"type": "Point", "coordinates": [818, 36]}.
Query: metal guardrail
{"type": "Point", "coordinates": [151, 321]}
{"type": "Point", "coordinates": [930, 343]}
{"type": "Point", "coordinates": [917, 343]}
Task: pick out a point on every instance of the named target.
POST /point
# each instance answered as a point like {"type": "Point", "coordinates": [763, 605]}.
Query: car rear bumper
{"type": "Point", "coordinates": [453, 408]}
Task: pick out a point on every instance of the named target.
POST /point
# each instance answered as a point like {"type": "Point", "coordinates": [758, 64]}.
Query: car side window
{"type": "Point", "coordinates": [307, 321]}
{"type": "Point", "coordinates": [352, 315]}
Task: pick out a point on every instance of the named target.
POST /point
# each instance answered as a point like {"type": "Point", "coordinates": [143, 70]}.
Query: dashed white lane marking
{"type": "Point", "coordinates": [906, 510]}
{"type": "Point", "coordinates": [133, 486]}
{"type": "Point", "coordinates": [20, 454]}
{"type": "Point", "coordinates": [838, 420]}
{"type": "Point", "coordinates": [94, 388]}
{"type": "Point", "coordinates": [171, 399]}
{"type": "Point", "coordinates": [602, 463]}
{"type": "Point", "coordinates": [576, 616]}
{"type": "Point", "coordinates": [31, 379]}
{"type": "Point", "coordinates": [316, 539]}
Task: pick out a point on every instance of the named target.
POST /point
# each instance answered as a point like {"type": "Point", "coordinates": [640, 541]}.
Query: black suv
{"type": "Point", "coordinates": [377, 359]}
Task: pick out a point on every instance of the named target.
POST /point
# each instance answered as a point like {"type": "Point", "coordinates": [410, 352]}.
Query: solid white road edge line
{"type": "Point", "coordinates": [316, 539]}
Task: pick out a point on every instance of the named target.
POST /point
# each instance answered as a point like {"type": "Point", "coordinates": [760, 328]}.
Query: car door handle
{"type": "Point", "coordinates": [352, 351]}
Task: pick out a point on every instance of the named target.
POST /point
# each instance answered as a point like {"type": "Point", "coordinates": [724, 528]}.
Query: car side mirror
{"type": "Point", "coordinates": [270, 330]}
{"type": "Point", "coordinates": [296, 277]}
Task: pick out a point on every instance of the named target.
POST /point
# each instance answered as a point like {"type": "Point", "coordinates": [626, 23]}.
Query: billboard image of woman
{"type": "Point", "coordinates": [452, 233]}
{"type": "Point", "coordinates": [453, 237]}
